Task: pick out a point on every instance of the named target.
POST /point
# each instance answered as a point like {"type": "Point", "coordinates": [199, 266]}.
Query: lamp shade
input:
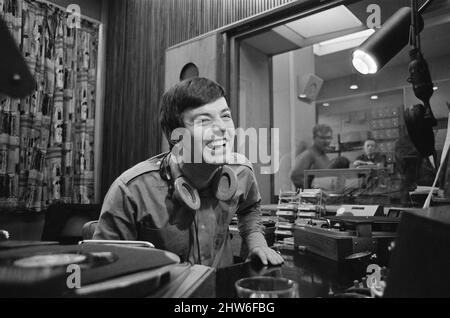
{"type": "Point", "coordinates": [385, 43]}
{"type": "Point", "coordinates": [16, 80]}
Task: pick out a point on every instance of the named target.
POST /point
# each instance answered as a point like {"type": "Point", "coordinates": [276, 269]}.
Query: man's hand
{"type": "Point", "coordinates": [267, 255]}
{"type": "Point", "coordinates": [359, 163]}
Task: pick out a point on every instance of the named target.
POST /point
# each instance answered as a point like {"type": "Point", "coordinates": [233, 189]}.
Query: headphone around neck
{"type": "Point", "coordinates": [223, 184]}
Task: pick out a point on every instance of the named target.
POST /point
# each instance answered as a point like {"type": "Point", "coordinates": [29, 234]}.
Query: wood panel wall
{"type": "Point", "coordinates": [139, 32]}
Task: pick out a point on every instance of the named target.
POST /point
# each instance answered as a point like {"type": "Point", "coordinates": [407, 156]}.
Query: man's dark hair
{"type": "Point", "coordinates": [191, 93]}
{"type": "Point", "coordinates": [322, 128]}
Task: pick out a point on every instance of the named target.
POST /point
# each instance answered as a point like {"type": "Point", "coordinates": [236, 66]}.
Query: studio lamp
{"type": "Point", "coordinates": [401, 28]}
{"type": "Point", "coordinates": [385, 43]}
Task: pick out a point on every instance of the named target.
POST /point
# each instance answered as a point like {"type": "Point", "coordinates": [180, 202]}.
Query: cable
{"type": "Point", "coordinates": [188, 258]}
{"type": "Point", "coordinates": [425, 6]}
{"type": "Point", "coordinates": [415, 25]}
{"type": "Point", "coordinates": [194, 214]}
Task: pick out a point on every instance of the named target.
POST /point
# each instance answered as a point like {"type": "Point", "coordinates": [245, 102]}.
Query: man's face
{"type": "Point", "coordinates": [369, 147]}
{"type": "Point", "coordinates": [212, 131]}
{"type": "Point", "coordinates": [323, 140]}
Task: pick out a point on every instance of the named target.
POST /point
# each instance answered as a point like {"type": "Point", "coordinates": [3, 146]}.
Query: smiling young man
{"type": "Point", "coordinates": [156, 200]}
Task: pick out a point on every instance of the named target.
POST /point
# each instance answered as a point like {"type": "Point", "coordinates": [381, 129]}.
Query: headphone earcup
{"type": "Point", "coordinates": [225, 184]}
{"type": "Point", "coordinates": [185, 193]}
{"type": "Point", "coordinates": [420, 130]}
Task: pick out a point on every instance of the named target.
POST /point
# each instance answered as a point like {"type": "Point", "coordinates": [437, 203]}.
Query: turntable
{"type": "Point", "coordinates": [87, 270]}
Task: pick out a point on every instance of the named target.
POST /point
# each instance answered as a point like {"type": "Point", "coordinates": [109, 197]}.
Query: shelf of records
{"type": "Point", "coordinates": [295, 206]}
{"type": "Point", "coordinates": [376, 118]}
{"type": "Point", "coordinates": [383, 124]}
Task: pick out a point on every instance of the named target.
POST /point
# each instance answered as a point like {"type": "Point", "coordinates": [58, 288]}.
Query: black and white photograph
{"type": "Point", "coordinates": [198, 153]}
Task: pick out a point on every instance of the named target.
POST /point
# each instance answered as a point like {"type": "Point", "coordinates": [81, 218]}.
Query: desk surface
{"type": "Point", "coordinates": [342, 172]}
{"type": "Point", "coordinates": [315, 275]}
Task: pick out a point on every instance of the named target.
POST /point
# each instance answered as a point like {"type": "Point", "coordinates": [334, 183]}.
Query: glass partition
{"type": "Point", "coordinates": [299, 74]}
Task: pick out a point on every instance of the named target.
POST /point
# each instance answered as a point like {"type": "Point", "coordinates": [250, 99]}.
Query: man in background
{"type": "Point", "coordinates": [370, 156]}
{"type": "Point", "coordinates": [314, 157]}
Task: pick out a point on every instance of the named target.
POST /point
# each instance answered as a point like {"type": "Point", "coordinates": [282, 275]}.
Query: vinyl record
{"type": "Point", "coordinates": [49, 260]}
{"type": "Point", "coordinates": [44, 271]}
{"type": "Point", "coordinates": [52, 260]}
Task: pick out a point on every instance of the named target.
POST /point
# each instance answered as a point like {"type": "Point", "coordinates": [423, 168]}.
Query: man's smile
{"type": "Point", "coordinates": [217, 143]}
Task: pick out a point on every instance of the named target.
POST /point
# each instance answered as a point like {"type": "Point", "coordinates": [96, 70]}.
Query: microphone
{"type": "Point", "coordinates": [421, 82]}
